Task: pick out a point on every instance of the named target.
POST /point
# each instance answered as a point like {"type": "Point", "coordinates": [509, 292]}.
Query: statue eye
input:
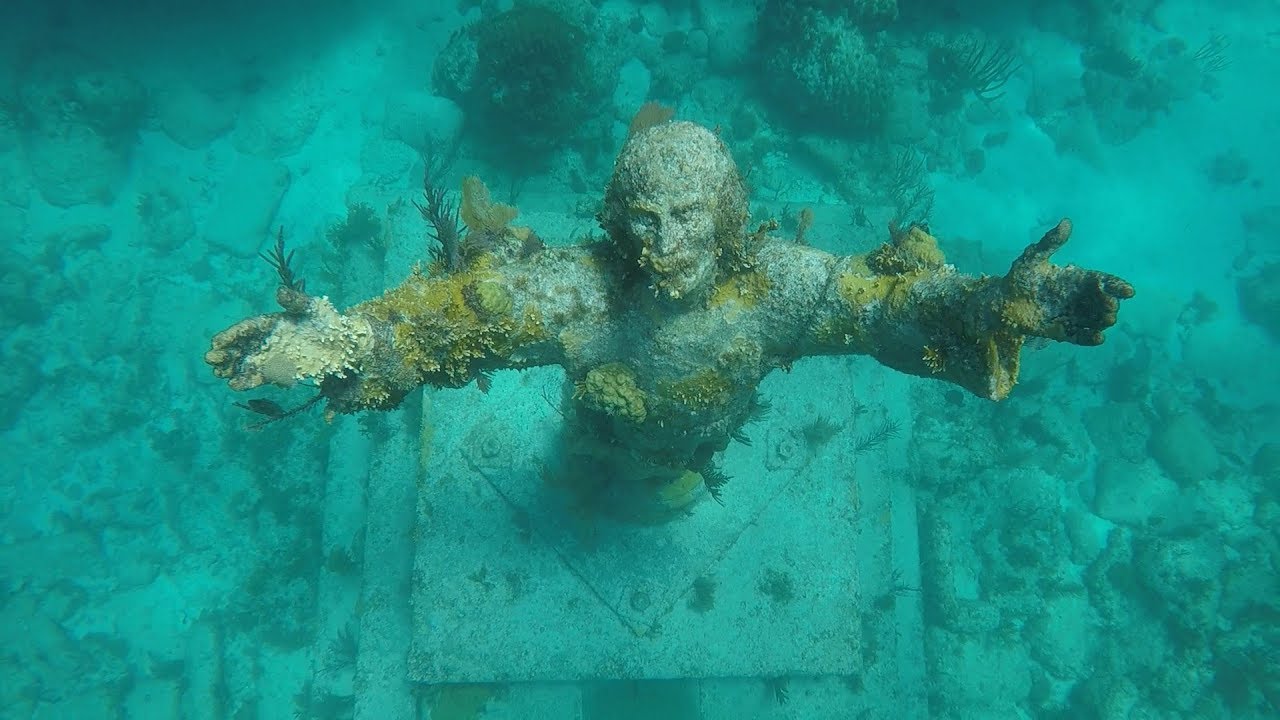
{"type": "Point", "coordinates": [645, 224]}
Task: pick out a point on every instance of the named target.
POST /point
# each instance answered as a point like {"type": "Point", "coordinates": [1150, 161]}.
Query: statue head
{"type": "Point", "coordinates": [676, 207]}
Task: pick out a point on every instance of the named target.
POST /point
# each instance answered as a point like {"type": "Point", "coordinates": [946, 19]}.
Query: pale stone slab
{"type": "Point", "coordinates": [510, 586]}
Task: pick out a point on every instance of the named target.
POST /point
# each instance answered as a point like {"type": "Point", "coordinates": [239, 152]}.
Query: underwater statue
{"type": "Point", "coordinates": [666, 327]}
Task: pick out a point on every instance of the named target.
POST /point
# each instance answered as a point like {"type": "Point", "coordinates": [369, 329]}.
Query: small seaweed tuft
{"type": "Point", "coordinates": [343, 648]}
{"type": "Point", "coordinates": [896, 588]}
{"type": "Point", "coordinates": [703, 597]}
{"type": "Point", "coordinates": [272, 412]}
{"type": "Point", "coordinates": [876, 438]}
{"type": "Point", "coordinates": [479, 213]}
{"type": "Point", "coordinates": [1212, 55]}
{"type": "Point", "coordinates": [650, 114]}
{"type": "Point", "coordinates": [977, 65]}
{"type": "Point", "coordinates": [361, 228]}
{"type": "Point", "coordinates": [310, 703]}
{"type": "Point", "coordinates": [777, 585]}
{"type": "Point", "coordinates": [280, 262]}
{"type": "Point", "coordinates": [818, 432]}
{"type": "Point", "coordinates": [909, 191]}
{"type": "Point", "coordinates": [345, 560]}
{"type": "Point", "coordinates": [441, 213]}
{"type": "Point", "coordinates": [715, 479]}
{"type": "Point", "coordinates": [759, 408]}
{"type": "Point", "coordinates": [778, 688]}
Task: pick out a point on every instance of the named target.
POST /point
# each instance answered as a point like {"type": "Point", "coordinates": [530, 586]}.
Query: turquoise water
{"type": "Point", "coordinates": [1100, 544]}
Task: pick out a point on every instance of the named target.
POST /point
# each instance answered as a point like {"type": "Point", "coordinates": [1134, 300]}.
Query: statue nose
{"type": "Point", "coordinates": [665, 237]}
{"type": "Point", "coordinates": [662, 243]}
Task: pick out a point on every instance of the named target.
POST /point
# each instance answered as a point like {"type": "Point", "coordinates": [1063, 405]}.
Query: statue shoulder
{"type": "Point", "coordinates": [583, 266]}
{"type": "Point", "coordinates": [797, 274]}
{"type": "Point", "coordinates": [563, 279]}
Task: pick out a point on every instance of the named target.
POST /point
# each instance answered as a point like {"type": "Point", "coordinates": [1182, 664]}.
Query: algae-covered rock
{"type": "Point", "coordinates": [1260, 298]}
{"type": "Point", "coordinates": [1185, 574]}
{"type": "Point", "coordinates": [192, 117]}
{"type": "Point", "coordinates": [1130, 493]}
{"type": "Point", "coordinates": [1184, 449]}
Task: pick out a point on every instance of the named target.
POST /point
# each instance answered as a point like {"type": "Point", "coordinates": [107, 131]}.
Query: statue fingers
{"type": "Point", "coordinates": [229, 349]}
{"type": "Point", "coordinates": [1094, 308]}
{"type": "Point", "coordinates": [1038, 254]}
{"type": "Point", "coordinates": [1116, 287]}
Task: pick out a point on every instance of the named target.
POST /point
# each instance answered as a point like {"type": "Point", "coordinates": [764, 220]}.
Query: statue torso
{"type": "Point", "coordinates": [660, 377]}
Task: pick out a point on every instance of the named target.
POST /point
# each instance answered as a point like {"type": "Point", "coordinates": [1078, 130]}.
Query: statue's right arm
{"type": "Point", "coordinates": [440, 330]}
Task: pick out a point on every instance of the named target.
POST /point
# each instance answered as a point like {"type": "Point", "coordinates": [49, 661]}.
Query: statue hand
{"type": "Point", "coordinates": [1066, 303]}
{"type": "Point", "coordinates": [232, 348]}
{"type": "Point", "coordinates": [308, 342]}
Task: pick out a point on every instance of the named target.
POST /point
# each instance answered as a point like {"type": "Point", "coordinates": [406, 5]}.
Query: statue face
{"type": "Point", "coordinates": [674, 197]}
{"type": "Point", "coordinates": [675, 243]}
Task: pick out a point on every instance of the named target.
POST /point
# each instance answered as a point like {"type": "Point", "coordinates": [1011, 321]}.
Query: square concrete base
{"type": "Point", "coordinates": [782, 579]}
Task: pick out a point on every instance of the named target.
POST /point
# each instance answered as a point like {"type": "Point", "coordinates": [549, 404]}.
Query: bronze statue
{"type": "Point", "coordinates": [666, 327]}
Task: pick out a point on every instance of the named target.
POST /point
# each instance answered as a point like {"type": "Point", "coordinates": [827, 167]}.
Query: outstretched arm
{"type": "Point", "coordinates": [442, 330]}
{"type": "Point", "coordinates": [902, 305]}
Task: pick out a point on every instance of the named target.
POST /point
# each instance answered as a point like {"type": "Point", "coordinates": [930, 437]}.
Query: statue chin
{"type": "Point", "coordinates": [683, 288]}
{"type": "Point", "coordinates": [679, 293]}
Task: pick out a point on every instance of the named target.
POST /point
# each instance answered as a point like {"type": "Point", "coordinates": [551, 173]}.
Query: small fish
{"type": "Point", "coordinates": [484, 381]}
{"type": "Point", "coordinates": [530, 244]}
{"type": "Point", "coordinates": [262, 406]}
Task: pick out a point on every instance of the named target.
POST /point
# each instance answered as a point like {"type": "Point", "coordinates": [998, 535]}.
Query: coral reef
{"type": "Point", "coordinates": [522, 76]}
{"type": "Point", "coordinates": [1129, 92]}
{"type": "Point", "coordinates": [821, 66]}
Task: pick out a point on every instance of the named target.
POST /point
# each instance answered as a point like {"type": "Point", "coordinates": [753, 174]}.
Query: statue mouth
{"type": "Point", "coordinates": [670, 264]}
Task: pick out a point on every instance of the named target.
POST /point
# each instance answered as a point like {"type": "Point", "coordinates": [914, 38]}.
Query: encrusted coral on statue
{"type": "Point", "coordinates": [909, 251]}
{"type": "Point", "coordinates": [328, 343]}
{"type": "Point", "coordinates": [478, 211]}
{"type": "Point", "coordinates": [612, 389]}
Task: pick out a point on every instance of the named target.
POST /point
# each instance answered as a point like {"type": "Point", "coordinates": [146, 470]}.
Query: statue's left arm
{"type": "Point", "coordinates": [903, 305]}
